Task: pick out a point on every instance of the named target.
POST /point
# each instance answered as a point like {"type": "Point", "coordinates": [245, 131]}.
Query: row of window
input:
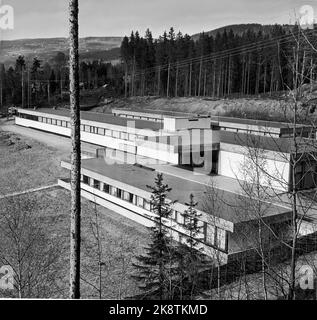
{"type": "Point", "coordinates": [248, 131]}
{"type": "Point", "coordinates": [118, 193]}
{"type": "Point", "coordinates": [139, 117]}
{"type": "Point", "coordinates": [112, 133]}
{"type": "Point", "coordinates": [213, 236]}
{"type": "Point", "coordinates": [85, 128]}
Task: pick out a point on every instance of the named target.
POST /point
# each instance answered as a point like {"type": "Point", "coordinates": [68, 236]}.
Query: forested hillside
{"type": "Point", "coordinates": [237, 62]}
{"type": "Point", "coordinates": [227, 64]}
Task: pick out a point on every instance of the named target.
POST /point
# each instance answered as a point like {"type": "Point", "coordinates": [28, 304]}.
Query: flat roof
{"type": "Point", "coordinates": [140, 178]}
{"type": "Point", "coordinates": [99, 117]}
{"type": "Point", "coordinates": [217, 119]}
{"type": "Point", "coordinates": [284, 144]}
{"type": "Point", "coordinates": [157, 114]}
{"type": "Point", "coordinates": [254, 122]}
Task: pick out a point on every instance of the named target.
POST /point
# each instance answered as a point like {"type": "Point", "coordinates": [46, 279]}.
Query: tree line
{"type": "Point", "coordinates": [43, 83]}
{"type": "Point", "coordinates": [252, 62]}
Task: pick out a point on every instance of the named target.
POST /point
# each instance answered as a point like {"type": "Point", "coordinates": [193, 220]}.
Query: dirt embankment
{"type": "Point", "coordinates": [260, 108]}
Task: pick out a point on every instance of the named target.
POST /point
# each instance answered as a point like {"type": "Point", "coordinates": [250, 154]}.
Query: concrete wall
{"type": "Point", "coordinates": [174, 124]}
{"type": "Point", "coordinates": [233, 164]}
{"type": "Point", "coordinates": [254, 129]}
{"type": "Point", "coordinates": [43, 126]}
{"type": "Point", "coordinates": [143, 148]}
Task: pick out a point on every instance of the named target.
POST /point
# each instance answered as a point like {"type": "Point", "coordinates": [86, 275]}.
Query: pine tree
{"type": "Point", "coordinates": [191, 257]}
{"type": "Point", "coordinates": [155, 270]}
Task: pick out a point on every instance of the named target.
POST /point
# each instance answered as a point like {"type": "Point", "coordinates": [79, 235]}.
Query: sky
{"type": "Point", "coordinates": [48, 18]}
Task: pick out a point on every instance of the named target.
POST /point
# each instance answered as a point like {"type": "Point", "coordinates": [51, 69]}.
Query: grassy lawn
{"type": "Point", "coordinates": [27, 164]}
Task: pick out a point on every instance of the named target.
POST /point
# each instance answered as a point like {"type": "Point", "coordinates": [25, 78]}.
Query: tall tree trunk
{"type": "Point", "coordinates": [190, 79]}
{"type": "Point", "coordinates": [29, 94]}
{"type": "Point", "coordinates": [126, 81]}
{"type": "Point", "coordinates": [205, 81]}
{"type": "Point", "coordinates": [168, 80]}
{"type": "Point", "coordinates": [214, 79]}
{"type": "Point", "coordinates": [176, 81]}
{"type": "Point", "coordinates": [264, 81]}
{"type": "Point", "coordinates": [75, 236]}
{"type": "Point", "coordinates": [48, 92]}
{"type": "Point", "coordinates": [159, 81]}
{"type": "Point", "coordinates": [229, 76]}
{"type": "Point", "coordinates": [1, 92]}
{"type": "Point", "coordinates": [22, 82]}
{"type": "Point", "coordinates": [311, 74]}
{"type": "Point", "coordinates": [200, 74]}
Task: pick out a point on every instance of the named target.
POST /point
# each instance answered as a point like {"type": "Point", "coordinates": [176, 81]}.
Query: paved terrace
{"type": "Point", "coordinates": [181, 188]}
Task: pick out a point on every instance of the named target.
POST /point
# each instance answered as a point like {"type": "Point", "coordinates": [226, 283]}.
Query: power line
{"type": "Point", "coordinates": [226, 53]}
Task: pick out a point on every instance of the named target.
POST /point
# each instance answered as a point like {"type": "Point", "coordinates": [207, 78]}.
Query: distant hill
{"type": "Point", "coordinates": [104, 48]}
{"type": "Point", "coordinates": [239, 29]}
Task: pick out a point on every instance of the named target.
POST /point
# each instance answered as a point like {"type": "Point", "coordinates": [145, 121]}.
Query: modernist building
{"type": "Point", "coordinates": [191, 151]}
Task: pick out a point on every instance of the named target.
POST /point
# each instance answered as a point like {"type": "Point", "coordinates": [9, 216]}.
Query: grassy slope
{"type": "Point", "coordinates": [23, 168]}
{"type": "Point", "coordinates": [26, 164]}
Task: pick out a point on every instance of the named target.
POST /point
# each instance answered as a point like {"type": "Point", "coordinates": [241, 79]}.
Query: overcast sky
{"type": "Point", "coordinates": [48, 18]}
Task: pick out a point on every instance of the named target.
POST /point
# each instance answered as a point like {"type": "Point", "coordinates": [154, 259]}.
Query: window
{"type": "Point", "coordinates": [64, 124]}
{"type": "Point", "coordinates": [68, 125]}
{"type": "Point", "coordinates": [108, 133]}
{"type": "Point", "coordinates": [180, 218]}
{"type": "Point", "coordinates": [116, 134]}
{"type": "Point", "coordinates": [81, 127]}
{"type": "Point", "coordinates": [86, 180]}
{"type": "Point", "coordinates": [140, 202]}
{"type": "Point", "coordinates": [147, 205]}
{"type": "Point", "coordinates": [59, 123]}
{"type": "Point", "coordinates": [123, 136]}
{"type": "Point", "coordinates": [221, 239]}
{"type": "Point", "coordinates": [127, 196]}
{"type": "Point", "coordinates": [106, 188]}
{"type": "Point", "coordinates": [93, 130]}
{"type": "Point", "coordinates": [87, 128]}
{"type": "Point", "coordinates": [132, 137]}
{"type": "Point", "coordinates": [54, 122]}
{"type": "Point", "coordinates": [119, 193]}
{"type": "Point", "coordinates": [40, 119]}
{"type": "Point", "coordinates": [96, 184]}
{"type": "Point", "coordinates": [113, 191]}
{"type": "Point", "coordinates": [101, 131]}
{"type": "Point", "coordinates": [210, 234]}
{"type": "Point", "coordinates": [49, 121]}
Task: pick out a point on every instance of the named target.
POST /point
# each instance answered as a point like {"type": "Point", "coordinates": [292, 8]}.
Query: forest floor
{"type": "Point", "coordinates": [26, 164]}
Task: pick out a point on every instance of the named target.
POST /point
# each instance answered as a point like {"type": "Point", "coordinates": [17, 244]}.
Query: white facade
{"type": "Point", "coordinates": [235, 162]}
